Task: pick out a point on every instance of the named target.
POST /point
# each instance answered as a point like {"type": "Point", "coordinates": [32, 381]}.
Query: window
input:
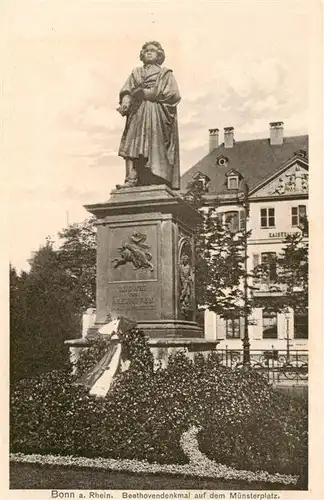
{"type": "Point", "coordinates": [233, 328]}
{"type": "Point", "coordinates": [222, 161]}
{"type": "Point", "coordinates": [267, 217]}
{"type": "Point", "coordinates": [298, 214]}
{"type": "Point", "coordinates": [301, 326]}
{"type": "Point", "coordinates": [203, 179]}
{"type": "Point", "coordinates": [232, 182]}
{"type": "Point", "coordinates": [269, 325]}
{"type": "Point", "coordinates": [268, 262]}
{"type": "Point", "coordinates": [234, 220]}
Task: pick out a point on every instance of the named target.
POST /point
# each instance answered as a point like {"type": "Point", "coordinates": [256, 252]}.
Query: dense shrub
{"type": "Point", "coordinates": [244, 422]}
{"type": "Point", "coordinates": [267, 429]}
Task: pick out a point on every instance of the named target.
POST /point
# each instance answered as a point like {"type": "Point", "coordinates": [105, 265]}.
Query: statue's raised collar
{"type": "Point", "coordinates": [151, 65]}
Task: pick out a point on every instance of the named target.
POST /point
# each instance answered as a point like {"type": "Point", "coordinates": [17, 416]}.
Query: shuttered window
{"type": "Point", "coordinates": [234, 220]}
{"type": "Point", "coordinates": [301, 326]}
{"type": "Point", "coordinates": [268, 260]}
{"type": "Point", "coordinates": [233, 328]}
{"type": "Point", "coordinates": [269, 325]}
{"type": "Point", "coordinates": [242, 219]}
{"type": "Point", "coordinates": [256, 263]}
{"type": "Point", "coordinates": [256, 260]}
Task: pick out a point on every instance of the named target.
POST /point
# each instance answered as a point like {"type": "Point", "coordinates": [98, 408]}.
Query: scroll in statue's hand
{"type": "Point", "coordinates": [124, 107]}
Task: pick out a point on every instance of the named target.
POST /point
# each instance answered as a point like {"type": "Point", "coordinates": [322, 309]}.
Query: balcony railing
{"type": "Point", "coordinates": [277, 366]}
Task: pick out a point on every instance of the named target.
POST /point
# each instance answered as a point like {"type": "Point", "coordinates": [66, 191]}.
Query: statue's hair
{"type": "Point", "coordinates": [160, 51]}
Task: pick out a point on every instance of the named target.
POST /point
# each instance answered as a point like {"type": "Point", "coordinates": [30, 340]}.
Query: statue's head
{"type": "Point", "coordinates": [152, 52]}
{"type": "Point", "coordinates": [185, 259]}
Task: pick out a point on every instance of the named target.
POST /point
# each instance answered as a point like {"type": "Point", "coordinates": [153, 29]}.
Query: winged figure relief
{"type": "Point", "coordinates": [135, 251]}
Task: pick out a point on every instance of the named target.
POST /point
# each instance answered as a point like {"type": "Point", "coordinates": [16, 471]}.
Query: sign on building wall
{"type": "Point", "coordinates": [282, 234]}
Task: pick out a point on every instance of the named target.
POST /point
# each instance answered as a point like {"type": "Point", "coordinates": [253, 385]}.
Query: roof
{"type": "Point", "coordinates": [256, 159]}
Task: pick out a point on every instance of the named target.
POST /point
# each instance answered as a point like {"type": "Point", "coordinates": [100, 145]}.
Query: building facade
{"type": "Point", "coordinates": [275, 173]}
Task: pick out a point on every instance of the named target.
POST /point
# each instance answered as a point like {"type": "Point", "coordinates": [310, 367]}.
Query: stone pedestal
{"type": "Point", "coordinates": [145, 261]}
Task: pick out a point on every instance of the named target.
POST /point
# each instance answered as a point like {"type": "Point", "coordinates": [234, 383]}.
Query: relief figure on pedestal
{"type": "Point", "coordinates": [150, 141]}
{"type": "Point", "coordinates": [186, 286]}
{"type": "Point", "coordinates": [134, 251]}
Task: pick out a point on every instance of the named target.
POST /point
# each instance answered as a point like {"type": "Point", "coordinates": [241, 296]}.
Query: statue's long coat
{"type": "Point", "coordinates": [151, 129]}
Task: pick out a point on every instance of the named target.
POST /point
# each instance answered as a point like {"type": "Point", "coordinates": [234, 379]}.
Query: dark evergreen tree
{"type": "Point", "coordinates": [43, 316]}
{"type": "Point", "coordinates": [47, 303]}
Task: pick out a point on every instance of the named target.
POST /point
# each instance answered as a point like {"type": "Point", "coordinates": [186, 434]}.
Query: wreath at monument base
{"type": "Point", "coordinates": [125, 348]}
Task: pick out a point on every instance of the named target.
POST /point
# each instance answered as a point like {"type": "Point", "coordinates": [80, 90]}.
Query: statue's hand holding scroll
{"type": "Point", "coordinates": [124, 107]}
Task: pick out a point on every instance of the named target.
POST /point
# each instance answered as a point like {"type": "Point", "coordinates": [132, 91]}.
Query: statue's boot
{"type": "Point", "coordinates": [131, 179]}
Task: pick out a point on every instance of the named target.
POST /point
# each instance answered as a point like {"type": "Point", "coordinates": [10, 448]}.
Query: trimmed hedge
{"type": "Point", "coordinates": [244, 422]}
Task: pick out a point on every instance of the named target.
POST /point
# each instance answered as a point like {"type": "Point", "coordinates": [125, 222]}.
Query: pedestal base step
{"type": "Point", "coordinates": [171, 329]}
{"type": "Point", "coordinates": [191, 344]}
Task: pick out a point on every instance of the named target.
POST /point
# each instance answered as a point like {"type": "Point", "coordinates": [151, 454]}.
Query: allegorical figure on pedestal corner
{"type": "Point", "coordinates": [150, 141]}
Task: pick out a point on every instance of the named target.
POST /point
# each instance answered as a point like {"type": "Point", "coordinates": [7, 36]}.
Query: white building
{"type": "Point", "coordinates": [276, 171]}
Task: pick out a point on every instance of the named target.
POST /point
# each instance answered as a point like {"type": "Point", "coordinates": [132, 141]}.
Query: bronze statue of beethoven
{"type": "Point", "coordinates": [150, 141]}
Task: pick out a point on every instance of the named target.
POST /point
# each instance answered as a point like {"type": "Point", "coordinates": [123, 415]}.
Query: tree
{"type": "Point", "coordinates": [220, 259]}
{"type": "Point", "coordinates": [46, 304]}
{"type": "Point", "coordinates": [43, 315]}
{"type": "Point", "coordinates": [18, 326]}
{"type": "Point", "coordinates": [77, 257]}
{"type": "Point", "coordinates": [292, 270]}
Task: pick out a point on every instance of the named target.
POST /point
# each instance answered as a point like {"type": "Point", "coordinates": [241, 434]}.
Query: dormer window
{"type": "Point", "coordinates": [233, 178]}
{"type": "Point", "coordinates": [232, 182]}
{"type": "Point", "coordinates": [203, 179]}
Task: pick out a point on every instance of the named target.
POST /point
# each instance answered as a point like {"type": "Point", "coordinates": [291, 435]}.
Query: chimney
{"type": "Point", "coordinates": [229, 137]}
{"type": "Point", "coordinates": [213, 138]}
{"type": "Point", "coordinates": [276, 133]}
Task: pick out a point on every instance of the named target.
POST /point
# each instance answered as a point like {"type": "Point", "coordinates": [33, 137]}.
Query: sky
{"type": "Point", "coordinates": [237, 63]}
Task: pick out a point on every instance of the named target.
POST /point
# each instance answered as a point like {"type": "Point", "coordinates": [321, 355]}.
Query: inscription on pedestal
{"type": "Point", "coordinates": [135, 300]}
{"type": "Point", "coordinates": [133, 297]}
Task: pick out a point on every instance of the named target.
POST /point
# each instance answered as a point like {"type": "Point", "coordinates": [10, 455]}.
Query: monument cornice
{"type": "Point", "coordinates": [145, 199]}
